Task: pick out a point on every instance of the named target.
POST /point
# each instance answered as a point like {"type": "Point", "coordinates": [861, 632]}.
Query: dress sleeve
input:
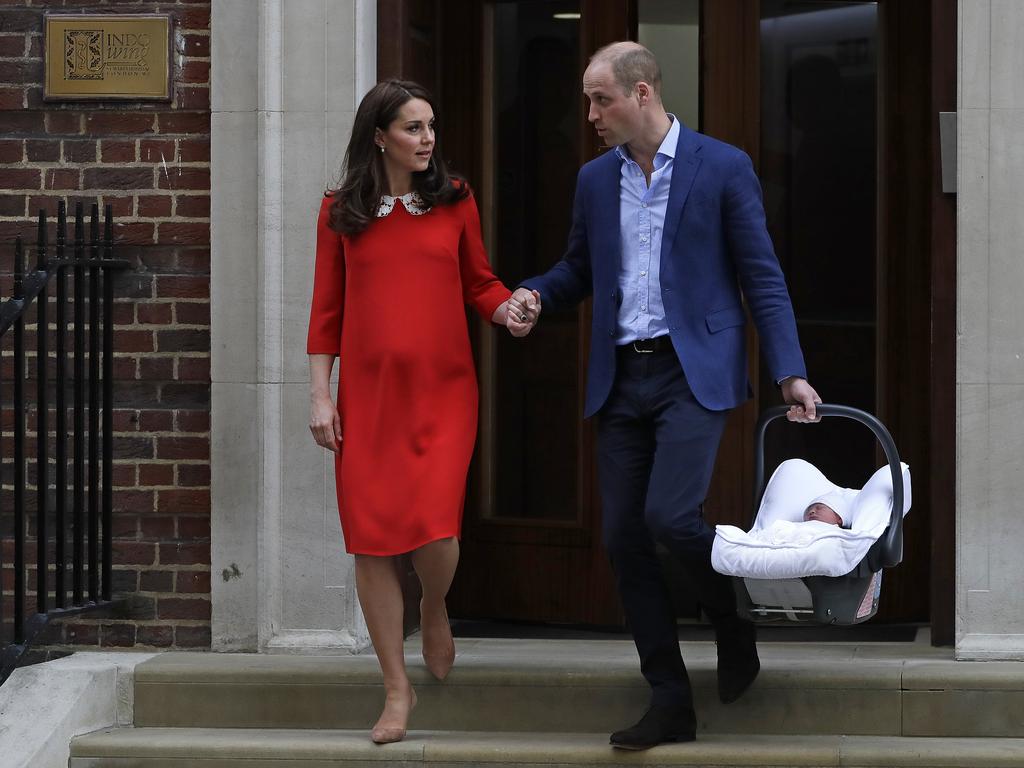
{"type": "Point", "coordinates": [480, 288]}
{"type": "Point", "coordinates": [324, 336]}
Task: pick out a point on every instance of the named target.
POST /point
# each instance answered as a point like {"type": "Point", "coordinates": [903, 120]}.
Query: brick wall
{"type": "Point", "coordinates": [151, 162]}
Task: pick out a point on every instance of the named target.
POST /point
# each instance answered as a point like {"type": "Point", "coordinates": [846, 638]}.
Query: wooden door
{"type": "Point", "coordinates": [531, 533]}
{"type": "Point", "coordinates": [512, 119]}
{"type": "Point", "coordinates": [836, 103]}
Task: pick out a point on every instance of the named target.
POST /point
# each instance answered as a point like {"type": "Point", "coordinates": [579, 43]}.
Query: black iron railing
{"type": "Point", "coordinates": [88, 531]}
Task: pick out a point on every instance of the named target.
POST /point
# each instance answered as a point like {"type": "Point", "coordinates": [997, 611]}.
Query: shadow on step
{"type": "Point", "coordinates": [861, 633]}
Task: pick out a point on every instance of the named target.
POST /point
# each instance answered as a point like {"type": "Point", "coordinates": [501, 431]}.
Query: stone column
{"type": "Point", "coordinates": [990, 324]}
{"type": "Point", "coordinates": [287, 76]}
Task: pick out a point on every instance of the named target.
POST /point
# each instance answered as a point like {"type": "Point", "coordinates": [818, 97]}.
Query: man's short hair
{"type": "Point", "coordinates": [631, 63]}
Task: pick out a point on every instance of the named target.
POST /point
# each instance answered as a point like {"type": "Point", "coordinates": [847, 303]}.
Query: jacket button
{"type": "Point", "coordinates": [611, 333]}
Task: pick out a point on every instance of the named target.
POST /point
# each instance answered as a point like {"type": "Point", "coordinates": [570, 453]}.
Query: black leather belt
{"type": "Point", "coordinates": [646, 346]}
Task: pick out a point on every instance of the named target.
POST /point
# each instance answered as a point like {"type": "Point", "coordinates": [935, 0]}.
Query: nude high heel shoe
{"type": "Point", "coordinates": [438, 647]}
{"type": "Point", "coordinates": [389, 734]}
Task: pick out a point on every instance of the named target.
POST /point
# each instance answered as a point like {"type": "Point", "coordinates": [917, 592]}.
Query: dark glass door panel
{"type": "Point", "coordinates": [531, 532]}
{"type": "Point", "coordinates": [536, 154]}
{"type": "Point", "coordinates": [819, 80]}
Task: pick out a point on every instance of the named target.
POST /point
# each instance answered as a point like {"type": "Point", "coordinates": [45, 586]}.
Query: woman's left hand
{"type": "Point", "coordinates": [522, 311]}
{"type": "Point", "coordinates": [515, 325]}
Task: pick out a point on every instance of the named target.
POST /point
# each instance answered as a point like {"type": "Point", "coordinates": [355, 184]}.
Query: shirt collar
{"type": "Point", "coordinates": [412, 202]}
{"type": "Point", "coordinates": [667, 150]}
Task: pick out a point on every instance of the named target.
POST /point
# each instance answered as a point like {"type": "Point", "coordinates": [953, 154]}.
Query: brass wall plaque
{"type": "Point", "coordinates": [108, 56]}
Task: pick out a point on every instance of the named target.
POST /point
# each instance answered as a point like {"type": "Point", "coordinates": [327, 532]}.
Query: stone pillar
{"type": "Point", "coordinates": [990, 324]}
{"type": "Point", "coordinates": [287, 77]}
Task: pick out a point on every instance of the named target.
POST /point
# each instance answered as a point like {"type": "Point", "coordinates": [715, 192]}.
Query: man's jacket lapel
{"type": "Point", "coordinates": [606, 229]}
{"type": "Point", "coordinates": [684, 171]}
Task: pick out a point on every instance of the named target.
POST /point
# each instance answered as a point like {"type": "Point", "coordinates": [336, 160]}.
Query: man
{"type": "Point", "coordinates": [665, 226]}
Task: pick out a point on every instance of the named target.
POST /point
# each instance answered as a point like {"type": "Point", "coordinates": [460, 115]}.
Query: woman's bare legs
{"type": "Point", "coordinates": [380, 595]}
{"type": "Point", "coordinates": [435, 565]}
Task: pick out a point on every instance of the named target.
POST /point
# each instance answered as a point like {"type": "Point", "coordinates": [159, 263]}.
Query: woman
{"type": "Point", "coordinates": [399, 254]}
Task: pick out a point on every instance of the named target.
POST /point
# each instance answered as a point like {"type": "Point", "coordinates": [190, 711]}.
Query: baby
{"type": "Point", "coordinates": [823, 509]}
{"type": "Point", "coordinates": [828, 509]}
{"type": "Point", "coordinates": [823, 513]}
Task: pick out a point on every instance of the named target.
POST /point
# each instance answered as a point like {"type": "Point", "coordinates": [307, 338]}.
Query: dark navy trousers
{"type": "Point", "coordinates": [656, 452]}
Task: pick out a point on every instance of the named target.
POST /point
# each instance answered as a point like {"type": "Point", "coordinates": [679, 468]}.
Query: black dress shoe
{"type": "Point", "coordinates": [660, 724]}
{"type": "Point", "coordinates": [738, 664]}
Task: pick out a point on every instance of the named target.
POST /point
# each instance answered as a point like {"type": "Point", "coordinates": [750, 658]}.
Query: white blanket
{"type": "Point", "coordinates": [782, 546]}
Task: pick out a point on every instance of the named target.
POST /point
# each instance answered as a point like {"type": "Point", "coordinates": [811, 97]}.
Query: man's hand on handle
{"type": "Point", "coordinates": [803, 399]}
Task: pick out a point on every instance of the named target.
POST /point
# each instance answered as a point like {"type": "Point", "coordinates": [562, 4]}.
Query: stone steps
{"type": "Point", "coordinates": [545, 686]}
{"type": "Point", "coordinates": [553, 703]}
{"type": "Point", "coordinates": [274, 748]}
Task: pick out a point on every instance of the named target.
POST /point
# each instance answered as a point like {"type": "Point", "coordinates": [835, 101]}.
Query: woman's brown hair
{"type": "Point", "coordinates": [363, 178]}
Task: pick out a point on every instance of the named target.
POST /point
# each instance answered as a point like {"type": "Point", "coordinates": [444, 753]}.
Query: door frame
{"type": "Point", "coordinates": [917, 253]}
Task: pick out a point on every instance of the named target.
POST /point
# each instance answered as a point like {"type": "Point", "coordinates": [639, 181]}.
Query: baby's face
{"type": "Point", "coordinates": [823, 513]}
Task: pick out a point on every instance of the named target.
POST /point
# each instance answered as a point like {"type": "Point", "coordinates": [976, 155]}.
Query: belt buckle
{"type": "Point", "coordinates": [640, 351]}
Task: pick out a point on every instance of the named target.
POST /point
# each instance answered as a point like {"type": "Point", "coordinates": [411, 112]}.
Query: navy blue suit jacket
{"type": "Point", "coordinates": [714, 243]}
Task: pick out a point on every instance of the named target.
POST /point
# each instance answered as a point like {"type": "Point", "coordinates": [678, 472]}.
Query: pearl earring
{"type": "Point", "coordinates": [381, 148]}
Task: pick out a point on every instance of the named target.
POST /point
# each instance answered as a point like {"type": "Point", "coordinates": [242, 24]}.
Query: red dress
{"type": "Point", "coordinates": [390, 303]}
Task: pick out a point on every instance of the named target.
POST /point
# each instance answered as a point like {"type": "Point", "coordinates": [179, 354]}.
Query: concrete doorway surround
{"type": "Point", "coordinates": [990, 325]}
{"type": "Point", "coordinates": [285, 87]}
{"type": "Point", "coordinates": [286, 80]}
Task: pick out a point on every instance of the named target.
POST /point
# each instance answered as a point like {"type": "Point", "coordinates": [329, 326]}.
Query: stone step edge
{"type": "Point", "coordinates": [482, 748]}
{"type": "Point", "coordinates": [895, 674]}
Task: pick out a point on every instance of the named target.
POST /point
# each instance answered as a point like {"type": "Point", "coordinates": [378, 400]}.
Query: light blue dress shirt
{"type": "Point", "coordinates": [641, 224]}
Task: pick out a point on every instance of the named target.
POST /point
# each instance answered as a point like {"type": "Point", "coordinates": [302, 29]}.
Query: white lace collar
{"type": "Point", "coordinates": [413, 204]}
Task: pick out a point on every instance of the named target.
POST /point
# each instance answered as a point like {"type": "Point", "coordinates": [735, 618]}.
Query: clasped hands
{"type": "Point", "coordinates": [523, 311]}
